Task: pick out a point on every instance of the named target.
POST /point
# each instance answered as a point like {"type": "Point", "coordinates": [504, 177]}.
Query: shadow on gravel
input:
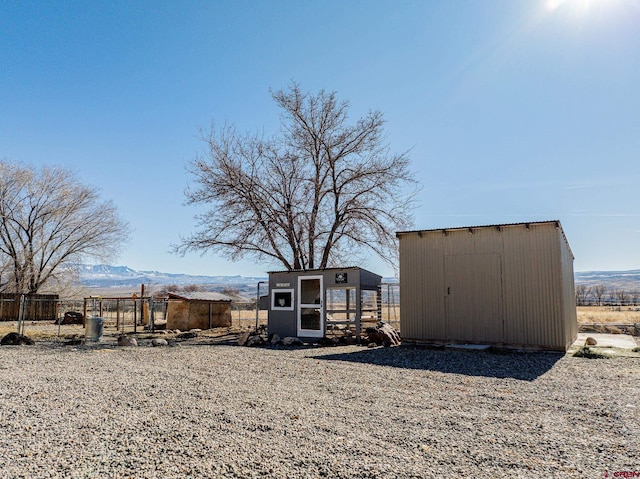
{"type": "Point", "coordinates": [522, 366]}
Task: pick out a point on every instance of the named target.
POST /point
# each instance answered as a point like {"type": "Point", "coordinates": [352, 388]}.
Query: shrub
{"type": "Point", "coordinates": [586, 352]}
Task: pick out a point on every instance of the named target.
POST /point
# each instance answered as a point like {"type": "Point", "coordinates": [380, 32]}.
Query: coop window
{"type": "Point", "coordinates": [341, 305]}
{"type": "Point", "coordinates": [282, 299]}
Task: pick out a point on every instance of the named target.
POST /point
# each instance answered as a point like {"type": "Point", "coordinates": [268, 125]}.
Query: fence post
{"type": "Point", "coordinates": [152, 315]}
{"type": "Point", "coordinates": [258, 303]}
{"type": "Point", "coordinates": [21, 315]}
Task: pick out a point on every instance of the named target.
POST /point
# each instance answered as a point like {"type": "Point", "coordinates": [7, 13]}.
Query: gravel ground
{"type": "Point", "coordinates": [215, 410]}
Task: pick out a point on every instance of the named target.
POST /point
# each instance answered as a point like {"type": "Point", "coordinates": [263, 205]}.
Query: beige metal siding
{"type": "Point", "coordinates": [506, 284]}
{"type": "Point", "coordinates": [532, 286]}
{"type": "Point", "coordinates": [569, 312]}
{"type": "Point", "coordinates": [421, 283]}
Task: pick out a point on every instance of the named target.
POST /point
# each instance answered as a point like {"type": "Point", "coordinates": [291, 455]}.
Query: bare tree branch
{"type": "Point", "coordinates": [320, 191]}
{"type": "Point", "coordinates": [48, 223]}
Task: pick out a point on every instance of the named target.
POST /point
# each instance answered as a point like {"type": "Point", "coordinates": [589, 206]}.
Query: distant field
{"type": "Point", "coordinates": [608, 314]}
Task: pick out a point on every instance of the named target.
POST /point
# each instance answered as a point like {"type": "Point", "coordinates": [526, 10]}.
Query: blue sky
{"type": "Point", "coordinates": [512, 110]}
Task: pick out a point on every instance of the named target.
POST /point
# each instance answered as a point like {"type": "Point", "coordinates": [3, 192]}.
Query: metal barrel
{"type": "Point", "coordinates": [93, 328]}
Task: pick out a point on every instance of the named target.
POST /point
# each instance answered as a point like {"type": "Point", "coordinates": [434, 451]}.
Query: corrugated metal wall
{"type": "Point", "coordinates": [504, 284]}
{"type": "Point", "coordinates": [570, 314]}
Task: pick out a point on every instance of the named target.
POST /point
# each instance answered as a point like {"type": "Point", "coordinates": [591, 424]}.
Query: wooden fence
{"type": "Point", "coordinates": [37, 307]}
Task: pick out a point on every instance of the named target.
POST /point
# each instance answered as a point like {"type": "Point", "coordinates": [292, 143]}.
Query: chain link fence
{"type": "Point", "coordinates": [41, 316]}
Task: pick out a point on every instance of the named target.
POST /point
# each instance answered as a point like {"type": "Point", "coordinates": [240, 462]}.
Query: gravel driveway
{"type": "Point", "coordinates": [214, 410]}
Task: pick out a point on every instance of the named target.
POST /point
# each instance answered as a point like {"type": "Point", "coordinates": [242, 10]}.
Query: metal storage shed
{"type": "Point", "coordinates": [201, 310]}
{"type": "Point", "coordinates": [509, 284]}
{"type": "Point", "coordinates": [307, 303]}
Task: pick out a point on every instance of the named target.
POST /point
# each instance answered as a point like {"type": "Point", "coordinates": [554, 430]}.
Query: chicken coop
{"type": "Point", "coordinates": [307, 304]}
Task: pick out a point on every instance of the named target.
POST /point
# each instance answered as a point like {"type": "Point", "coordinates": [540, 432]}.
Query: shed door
{"type": "Point", "coordinates": [310, 307]}
{"type": "Point", "coordinates": [473, 297]}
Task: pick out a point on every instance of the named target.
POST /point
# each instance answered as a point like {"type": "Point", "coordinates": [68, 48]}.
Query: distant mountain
{"type": "Point", "coordinates": [622, 280]}
{"type": "Point", "coordinates": [106, 276]}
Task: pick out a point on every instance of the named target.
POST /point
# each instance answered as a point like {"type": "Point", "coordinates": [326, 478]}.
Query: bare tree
{"type": "Point", "coordinates": [49, 222]}
{"type": "Point", "coordinates": [319, 193]}
{"type": "Point", "coordinates": [582, 293]}
{"type": "Point", "coordinates": [193, 288]}
{"type": "Point", "coordinates": [635, 296]}
{"type": "Point", "coordinates": [621, 296]}
{"type": "Point", "coordinates": [599, 291]}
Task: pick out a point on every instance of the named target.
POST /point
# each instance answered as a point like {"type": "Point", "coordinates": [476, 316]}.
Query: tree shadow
{"type": "Point", "coordinates": [525, 366]}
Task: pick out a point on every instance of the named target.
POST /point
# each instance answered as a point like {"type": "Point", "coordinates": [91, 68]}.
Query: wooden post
{"type": "Point", "coordinates": [117, 314]}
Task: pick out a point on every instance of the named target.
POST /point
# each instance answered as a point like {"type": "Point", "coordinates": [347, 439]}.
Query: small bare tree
{"type": "Point", "coordinates": [317, 194]}
{"type": "Point", "coordinates": [49, 222]}
{"type": "Point", "coordinates": [582, 293]}
{"type": "Point", "coordinates": [598, 292]}
{"type": "Point", "coordinates": [621, 296]}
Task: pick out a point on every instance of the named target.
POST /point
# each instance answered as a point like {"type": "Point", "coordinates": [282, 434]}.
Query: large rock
{"type": "Point", "coordinates": [244, 337]}
{"type": "Point", "coordinates": [255, 340]}
{"type": "Point", "coordinates": [15, 339]}
{"type": "Point", "coordinates": [127, 341]}
{"type": "Point", "coordinates": [159, 342]}
{"type": "Point", "coordinates": [291, 341]}
{"type": "Point", "coordinates": [384, 334]}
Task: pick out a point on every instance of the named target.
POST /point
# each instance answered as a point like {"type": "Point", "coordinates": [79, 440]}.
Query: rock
{"type": "Point", "coordinates": [255, 340]}
{"type": "Point", "coordinates": [159, 342]}
{"type": "Point", "coordinates": [15, 339]}
{"type": "Point", "coordinates": [244, 337]}
{"type": "Point", "coordinates": [275, 339]}
{"type": "Point", "coordinates": [291, 341]}
{"type": "Point", "coordinates": [127, 341]}
{"type": "Point", "coordinates": [372, 345]}
{"type": "Point", "coordinates": [590, 341]}
{"type": "Point", "coordinates": [384, 334]}
{"type": "Point", "coordinates": [71, 317]}
{"type": "Point", "coordinates": [324, 341]}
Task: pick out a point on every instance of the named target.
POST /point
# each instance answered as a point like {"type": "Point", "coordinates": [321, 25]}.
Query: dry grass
{"type": "Point", "coordinates": [608, 314]}
{"type": "Point", "coordinates": [43, 330]}
{"type": "Point", "coordinates": [242, 319]}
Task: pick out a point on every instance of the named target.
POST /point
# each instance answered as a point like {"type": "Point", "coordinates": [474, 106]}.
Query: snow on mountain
{"type": "Point", "coordinates": [102, 276]}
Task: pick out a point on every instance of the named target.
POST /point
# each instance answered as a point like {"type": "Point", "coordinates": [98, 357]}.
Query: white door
{"type": "Point", "coordinates": [310, 307]}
